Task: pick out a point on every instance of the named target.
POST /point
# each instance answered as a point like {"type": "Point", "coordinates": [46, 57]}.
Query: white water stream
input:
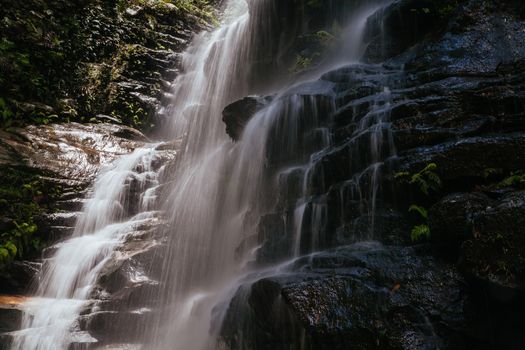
{"type": "Point", "coordinates": [220, 190]}
{"type": "Point", "coordinates": [67, 278]}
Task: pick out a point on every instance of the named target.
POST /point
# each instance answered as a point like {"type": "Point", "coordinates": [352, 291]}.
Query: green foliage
{"type": "Point", "coordinates": [425, 181]}
{"type": "Point", "coordinates": [314, 4]}
{"type": "Point", "coordinates": [419, 210]}
{"type": "Point", "coordinates": [302, 63]}
{"type": "Point", "coordinates": [514, 179]}
{"type": "Point", "coordinates": [443, 8]}
{"type": "Point", "coordinates": [200, 8]}
{"type": "Point", "coordinates": [6, 114]}
{"type": "Point", "coordinates": [487, 173]}
{"type": "Point", "coordinates": [420, 232]}
{"type": "Point", "coordinates": [47, 48]}
{"type": "Point", "coordinates": [22, 199]}
{"type": "Point", "coordinates": [317, 42]}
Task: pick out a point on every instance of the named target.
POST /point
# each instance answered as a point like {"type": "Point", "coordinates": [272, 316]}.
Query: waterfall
{"type": "Point", "coordinates": [219, 190]}
{"type": "Point", "coordinates": [68, 277]}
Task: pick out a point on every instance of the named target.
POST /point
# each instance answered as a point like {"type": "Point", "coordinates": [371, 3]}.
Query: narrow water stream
{"type": "Point", "coordinates": [67, 277]}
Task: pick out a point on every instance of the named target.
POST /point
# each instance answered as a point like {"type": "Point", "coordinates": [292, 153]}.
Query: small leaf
{"type": "Point", "coordinates": [11, 247]}
{"type": "Point", "coordinates": [420, 210]}
{"type": "Point", "coordinates": [419, 232]}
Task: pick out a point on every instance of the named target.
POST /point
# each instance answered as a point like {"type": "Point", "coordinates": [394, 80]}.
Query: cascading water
{"type": "Point", "coordinates": [68, 277]}
{"type": "Point", "coordinates": [219, 189]}
{"type": "Point", "coordinates": [222, 189]}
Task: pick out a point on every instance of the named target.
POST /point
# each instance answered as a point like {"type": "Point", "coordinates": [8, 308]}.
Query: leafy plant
{"type": "Point", "coordinates": [420, 231]}
{"type": "Point", "coordinates": [22, 199]}
{"type": "Point", "coordinates": [420, 210]}
{"type": "Point", "coordinates": [515, 178]}
{"type": "Point", "coordinates": [425, 181]}
{"type": "Point", "coordinates": [302, 63]}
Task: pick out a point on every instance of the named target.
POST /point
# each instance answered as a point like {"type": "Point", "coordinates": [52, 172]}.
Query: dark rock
{"type": "Point", "coordinates": [393, 29]}
{"type": "Point", "coordinates": [452, 219]}
{"type": "Point", "coordinates": [364, 296]}
{"type": "Point", "coordinates": [468, 157]}
{"type": "Point", "coordinates": [18, 276]}
{"type": "Point", "coordinates": [272, 233]}
{"type": "Point", "coordinates": [10, 313]}
{"type": "Point", "coordinates": [495, 253]}
{"type": "Point", "coordinates": [107, 325]}
{"type": "Point", "coordinates": [239, 113]}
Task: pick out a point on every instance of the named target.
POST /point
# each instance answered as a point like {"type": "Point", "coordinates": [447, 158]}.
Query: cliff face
{"type": "Point", "coordinates": [427, 149]}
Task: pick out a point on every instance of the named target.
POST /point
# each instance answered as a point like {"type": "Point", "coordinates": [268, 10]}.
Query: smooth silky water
{"type": "Point", "coordinates": [221, 188]}
{"type": "Point", "coordinates": [68, 277]}
{"type": "Point", "coordinates": [218, 192]}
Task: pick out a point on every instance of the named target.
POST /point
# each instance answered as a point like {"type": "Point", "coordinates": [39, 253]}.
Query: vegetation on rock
{"type": "Point", "coordinates": [23, 197]}
{"type": "Point", "coordinates": [77, 61]}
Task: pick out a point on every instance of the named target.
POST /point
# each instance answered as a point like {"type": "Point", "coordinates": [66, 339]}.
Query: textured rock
{"type": "Point", "coordinates": [54, 165]}
{"type": "Point", "coordinates": [495, 252]}
{"type": "Point", "coordinates": [73, 152]}
{"type": "Point", "coordinates": [451, 220]}
{"type": "Point", "coordinates": [10, 313]}
{"type": "Point", "coordinates": [449, 93]}
{"type": "Point", "coordinates": [364, 296]}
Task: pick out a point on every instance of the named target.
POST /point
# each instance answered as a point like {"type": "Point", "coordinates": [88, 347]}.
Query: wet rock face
{"type": "Point", "coordinates": [397, 27]}
{"type": "Point", "coordinates": [364, 296]}
{"type": "Point", "coordinates": [449, 94]}
{"type": "Point", "coordinates": [487, 235]}
{"type": "Point", "coordinates": [127, 291]}
{"type": "Point", "coordinates": [45, 173]}
{"type": "Point", "coordinates": [75, 152]}
{"type": "Point", "coordinates": [451, 220]}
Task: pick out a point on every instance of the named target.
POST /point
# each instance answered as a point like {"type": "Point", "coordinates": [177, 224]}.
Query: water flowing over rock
{"type": "Point", "coordinates": [63, 159]}
{"type": "Point", "coordinates": [373, 197]}
{"type": "Point", "coordinates": [363, 296]}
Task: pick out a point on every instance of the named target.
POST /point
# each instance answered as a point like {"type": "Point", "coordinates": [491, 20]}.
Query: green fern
{"type": "Point", "coordinates": [420, 210]}
{"type": "Point", "coordinates": [420, 231]}
{"type": "Point", "coordinates": [425, 180]}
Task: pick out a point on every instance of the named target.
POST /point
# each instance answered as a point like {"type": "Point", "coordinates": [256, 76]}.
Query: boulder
{"type": "Point", "coordinates": [496, 251]}
{"type": "Point", "coordinates": [363, 296]}
{"type": "Point", "coordinates": [237, 114]}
